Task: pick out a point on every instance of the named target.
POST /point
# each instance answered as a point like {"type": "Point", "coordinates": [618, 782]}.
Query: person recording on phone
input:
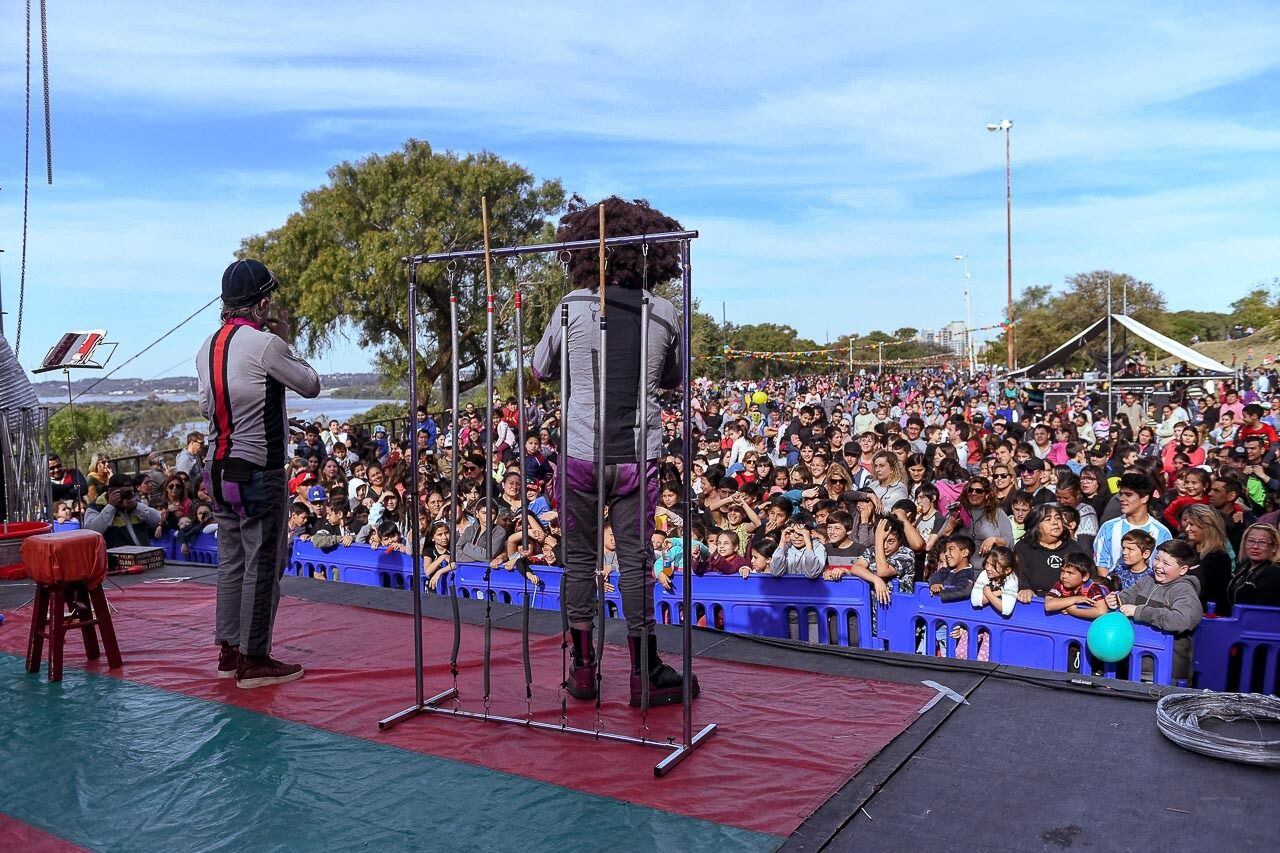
{"type": "Point", "coordinates": [244, 368]}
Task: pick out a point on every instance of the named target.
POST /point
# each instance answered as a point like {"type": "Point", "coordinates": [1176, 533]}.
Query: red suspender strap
{"type": "Point", "coordinates": [218, 378]}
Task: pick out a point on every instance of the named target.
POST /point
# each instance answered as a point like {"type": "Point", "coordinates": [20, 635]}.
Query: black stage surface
{"type": "Point", "coordinates": [1032, 762]}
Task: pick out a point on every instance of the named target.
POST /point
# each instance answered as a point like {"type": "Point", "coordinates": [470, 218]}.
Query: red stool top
{"type": "Point", "coordinates": [76, 555]}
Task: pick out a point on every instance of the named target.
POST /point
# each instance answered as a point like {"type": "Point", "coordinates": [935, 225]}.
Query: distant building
{"type": "Point", "coordinates": [952, 336]}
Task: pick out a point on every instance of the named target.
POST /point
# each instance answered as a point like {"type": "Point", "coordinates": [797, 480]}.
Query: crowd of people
{"type": "Point", "coordinates": [967, 484]}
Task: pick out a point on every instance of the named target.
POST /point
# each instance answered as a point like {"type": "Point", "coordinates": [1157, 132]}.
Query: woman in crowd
{"type": "Point", "coordinates": [980, 517]}
{"type": "Point", "coordinates": [1042, 549]}
{"type": "Point", "coordinates": [1257, 578]}
{"type": "Point", "coordinates": [99, 475]}
{"type": "Point", "coordinates": [1203, 527]}
{"type": "Point", "coordinates": [1093, 488]}
{"type": "Point", "coordinates": [890, 484]}
{"type": "Point", "coordinates": [1188, 442]}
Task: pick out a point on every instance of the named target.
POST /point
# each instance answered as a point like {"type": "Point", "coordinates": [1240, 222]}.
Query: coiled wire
{"type": "Point", "coordinates": [1178, 717]}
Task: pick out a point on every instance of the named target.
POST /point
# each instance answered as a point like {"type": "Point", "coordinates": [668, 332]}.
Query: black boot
{"type": "Point", "coordinates": [666, 686]}
{"type": "Point", "coordinates": [582, 674]}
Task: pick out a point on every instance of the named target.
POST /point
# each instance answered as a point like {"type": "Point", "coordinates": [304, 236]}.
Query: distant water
{"type": "Point", "coordinates": [321, 408]}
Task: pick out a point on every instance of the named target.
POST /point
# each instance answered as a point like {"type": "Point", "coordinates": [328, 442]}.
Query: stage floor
{"type": "Point", "coordinates": [815, 748]}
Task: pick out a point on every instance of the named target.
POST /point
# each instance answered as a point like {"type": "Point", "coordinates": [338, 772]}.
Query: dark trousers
{"type": "Point", "coordinates": [252, 552]}
{"type": "Point", "coordinates": [634, 536]}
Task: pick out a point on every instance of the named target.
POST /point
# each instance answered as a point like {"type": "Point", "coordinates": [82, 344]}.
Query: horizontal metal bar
{"type": "Point", "coordinates": [669, 763]}
{"type": "Point", "coordinates": [552, 727]}
{"type": "Point", "coordinates": [414, 710]}
{"type": "Point", "coordinates": [541, 248]}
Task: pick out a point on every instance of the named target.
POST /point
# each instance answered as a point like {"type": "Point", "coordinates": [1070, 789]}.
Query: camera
{"type": "Point", "coordinates": [953, 507]}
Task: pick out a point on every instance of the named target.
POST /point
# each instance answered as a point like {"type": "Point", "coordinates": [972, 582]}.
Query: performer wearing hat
{"type": "Point", "coordinates": [244, 368]}
{"type": "Point", "coordinates": [628, 469]}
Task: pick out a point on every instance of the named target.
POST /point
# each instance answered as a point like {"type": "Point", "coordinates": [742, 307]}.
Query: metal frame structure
{"type": "Point", "coordinates": [423, 704]}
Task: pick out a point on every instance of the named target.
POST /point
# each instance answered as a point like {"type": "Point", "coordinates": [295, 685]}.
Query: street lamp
{"type": "Point", "coordinates": [1005, 125]}
{"type": "Point", "coordinates": [968, 316]}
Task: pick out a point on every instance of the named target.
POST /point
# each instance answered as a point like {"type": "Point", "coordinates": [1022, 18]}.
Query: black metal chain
{"type": "Point", "coordinates": [26, 194]}
{"type": "Point", "coordinates": [48, 122]}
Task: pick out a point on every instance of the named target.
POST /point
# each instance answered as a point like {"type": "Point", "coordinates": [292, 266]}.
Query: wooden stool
{"type": "Point", "coordinates": [68, 569]}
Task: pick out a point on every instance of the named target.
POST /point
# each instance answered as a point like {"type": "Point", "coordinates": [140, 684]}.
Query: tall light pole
{"type": "Point", "coordinates": [968, 316]}
{"type": "Point", "coordinates": [1006, 125]}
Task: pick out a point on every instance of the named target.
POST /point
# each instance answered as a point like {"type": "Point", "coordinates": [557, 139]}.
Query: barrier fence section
{"type": "Point", "coordinates": [1242, 652]}
{"type": "Point", "coordinates": [1239, 653]}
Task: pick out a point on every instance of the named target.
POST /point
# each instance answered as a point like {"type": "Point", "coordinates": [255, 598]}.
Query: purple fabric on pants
{"type": "Point", "coordinates": [633, 535]}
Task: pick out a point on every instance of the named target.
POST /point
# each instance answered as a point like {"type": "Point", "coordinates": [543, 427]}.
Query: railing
{"type": "Point", "coordinates": [1239, 653]}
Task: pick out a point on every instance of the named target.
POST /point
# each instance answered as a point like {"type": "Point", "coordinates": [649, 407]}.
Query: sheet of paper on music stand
{"type": "Point", "coordinates": [73, 349]}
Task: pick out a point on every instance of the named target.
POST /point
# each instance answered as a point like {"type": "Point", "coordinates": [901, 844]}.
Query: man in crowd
{"type": "Point", "coordinates": [190, 460]}
{"type": "Point", "coordinates": [67, 484]}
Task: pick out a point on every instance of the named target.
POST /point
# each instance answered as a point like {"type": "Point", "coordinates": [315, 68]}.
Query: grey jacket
{"type": "Point", "coordinates": [662, 362]}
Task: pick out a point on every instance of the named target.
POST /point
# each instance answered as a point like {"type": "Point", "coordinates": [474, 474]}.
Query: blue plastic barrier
{"type": "Point", "coordinates": [1028, 637]}
{"type": "Point", "coordinates": [64, 526]}
{"type": "Point", "coordinates": [832, 613]}
{"type": "Point", "coordinates": [1240, 653]}
{"type": "Point", "coordinates": [203, 549]}
{"type": "Point", "coordinates": [837, 613]}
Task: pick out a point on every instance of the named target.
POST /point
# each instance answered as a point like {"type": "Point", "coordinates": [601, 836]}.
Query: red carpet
{"type": "Point", "coordinates": [16, 835]}
{"type": "Point", "coordinates": [787, 739]}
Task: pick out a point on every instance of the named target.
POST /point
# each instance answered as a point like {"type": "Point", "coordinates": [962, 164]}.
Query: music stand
{"type": "Point", "coordinates": [75, 350]}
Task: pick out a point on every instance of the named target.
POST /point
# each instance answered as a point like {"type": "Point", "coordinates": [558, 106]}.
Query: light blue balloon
{"type": "Point", "coordinates": [1110, 637]}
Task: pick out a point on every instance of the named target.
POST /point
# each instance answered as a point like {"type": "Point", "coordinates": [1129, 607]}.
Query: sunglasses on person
{"type": "Point", "coordinates": [1001, 475]}
{"type": "Point", "coordinates": [977, 490]}
{"type": "Point", "coordinates": [173, 487]}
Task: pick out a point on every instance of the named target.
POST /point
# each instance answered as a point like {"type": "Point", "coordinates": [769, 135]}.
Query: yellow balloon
{"type": "Point", "coordinates": [759, 398]}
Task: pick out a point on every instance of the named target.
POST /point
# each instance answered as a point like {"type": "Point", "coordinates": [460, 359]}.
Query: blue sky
{"type": "Point", "coordinates": [835, 159]}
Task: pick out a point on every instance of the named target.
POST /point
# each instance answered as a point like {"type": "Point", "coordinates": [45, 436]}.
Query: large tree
{"type": "Point", "coordinates": [1045, 319]}
{"type": "Point", "coordinates": [339, 257]}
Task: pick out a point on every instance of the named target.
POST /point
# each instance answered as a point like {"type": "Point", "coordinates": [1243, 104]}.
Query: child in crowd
{"type": "Point", "coordinates": [952, 580]}
{"type": "Point", "coordinates": [887, 559]}
{"type": "Point", "coordinates": [435, 557]}
{"type": "Point", "coordinates": [62, 514]}
{"type": "Point", "coordinates": [1076, 592]}
{"type": "Point", "coordinates": [841, 549]}
{"type": "Point", "coordinates": [300, 519]}
{"type": "Point", "coordinates": [741, 519]}
{"type": "Point", "coordinates": [1020, 503]}
{"type": "Point", "coordinates": [799, 554]}
{"type": "Point", "coordinates": [997, 584]}
{"type": "Point", "coordinates": [1136, 548]}
{"type": "Point", "coordinates": [333, 530]}
{"type": "Point", "coordinates": [760, 557]}
{"type": "Point", "coordinates": [387, 537]}
{"type": "Point", "coordinates": [1166, 598]}
{"type": "Point", "coordinates": [726, 560]}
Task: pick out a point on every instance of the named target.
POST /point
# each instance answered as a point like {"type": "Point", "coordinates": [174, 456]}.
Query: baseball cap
{"type": "Point", "coordinates": [852, 448]}
{"type": "Point", "coordinates": [379, 428]}
{"type": "Point", "coordinates": [316, 493]}
{"type": "Point", "coordinates": [1239, 451]}
{"type": "Point", "coordinates": [245, 282]}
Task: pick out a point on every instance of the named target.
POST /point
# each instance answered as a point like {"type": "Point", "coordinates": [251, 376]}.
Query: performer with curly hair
{"type": "Point", "coordinates": [628, 468]}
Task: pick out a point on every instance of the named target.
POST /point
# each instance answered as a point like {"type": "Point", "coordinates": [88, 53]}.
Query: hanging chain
{"type": "Point", "coordinates": [48, 122]}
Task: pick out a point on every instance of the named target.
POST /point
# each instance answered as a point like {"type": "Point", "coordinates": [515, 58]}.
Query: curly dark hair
{"type": "Point", "coordinates": [624, 264]}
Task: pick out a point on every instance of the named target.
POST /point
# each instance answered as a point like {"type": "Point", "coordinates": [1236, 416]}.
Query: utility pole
{"type": "Point", "coordinates": [1006, 126]}
{"type": "Point", "coordinates": [880, 359]}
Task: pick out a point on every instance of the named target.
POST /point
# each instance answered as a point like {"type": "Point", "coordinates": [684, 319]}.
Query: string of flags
{"type": "Point", "coordinates": [731, 352]}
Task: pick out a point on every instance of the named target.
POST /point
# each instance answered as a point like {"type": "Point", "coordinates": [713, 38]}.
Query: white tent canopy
{"type": "Point", "coordinates": [1063, 354]}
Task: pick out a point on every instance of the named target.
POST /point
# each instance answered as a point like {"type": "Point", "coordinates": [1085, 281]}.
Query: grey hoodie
{"type": "Point", "coordinates": [622, 379]}
{"type": "Point", "coordinates": [1172, 607]}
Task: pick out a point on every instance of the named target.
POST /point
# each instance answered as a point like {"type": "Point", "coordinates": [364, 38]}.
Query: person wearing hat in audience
{"type": "Point", "coordinates": [380, 442]}
{"type": "Point", "coordinates": [118, 515]}
{"type": "Point", "coordinates": [244, 369]}
{"type": "Point", "coordinates": [1032, 475]}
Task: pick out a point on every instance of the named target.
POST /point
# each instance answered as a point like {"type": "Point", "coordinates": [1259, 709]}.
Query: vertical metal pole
{"type": "Point", "coordinates": [1110, 360]}
{"type": "Point", "coordinates": [524, 502]}
{"type": "Point", "coordinates": [601, 426]}
{"type": "Point", "coordinates": [453, 492]}
{"type": "Point", "coordinates": [488, 450]}
{"type": "Point", "coordinates": [1008, 239]}
{"type": "Point", "coordinates": [415, 537]}
{"type": "Point", "coordinates": [686, 622]}
{"type": "Point", "coordinates": [642, 460]}
{"type": "Point", "coordinates": [562, 473]}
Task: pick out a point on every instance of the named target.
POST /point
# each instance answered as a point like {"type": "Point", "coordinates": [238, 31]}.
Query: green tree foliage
{"type": "Point", "coordinates": [1045, 319]}
{"type": "Point", "coordinates": [1259, 307]}
{"type": "Point", "coordinates": [339, 256]}
{"type": "Point", "coordinates": [75, 429]}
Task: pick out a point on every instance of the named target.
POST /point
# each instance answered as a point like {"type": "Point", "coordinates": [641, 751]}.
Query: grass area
{"type": "Point", "coordinates": [1249, 350]}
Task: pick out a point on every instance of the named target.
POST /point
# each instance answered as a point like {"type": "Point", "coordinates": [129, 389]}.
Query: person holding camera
{"type": "Point", "coordinates": [118, 515]}
{"type": "Point", "coordinates": [244, 368]}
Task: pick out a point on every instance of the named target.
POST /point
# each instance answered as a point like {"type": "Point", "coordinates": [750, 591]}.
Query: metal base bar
{"type": "Point", "coordinates": [414, 710]}
{"type": "Point", "coordinates": [679, 751]}
{"type": "Point", "coordinates": [666, 765]}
